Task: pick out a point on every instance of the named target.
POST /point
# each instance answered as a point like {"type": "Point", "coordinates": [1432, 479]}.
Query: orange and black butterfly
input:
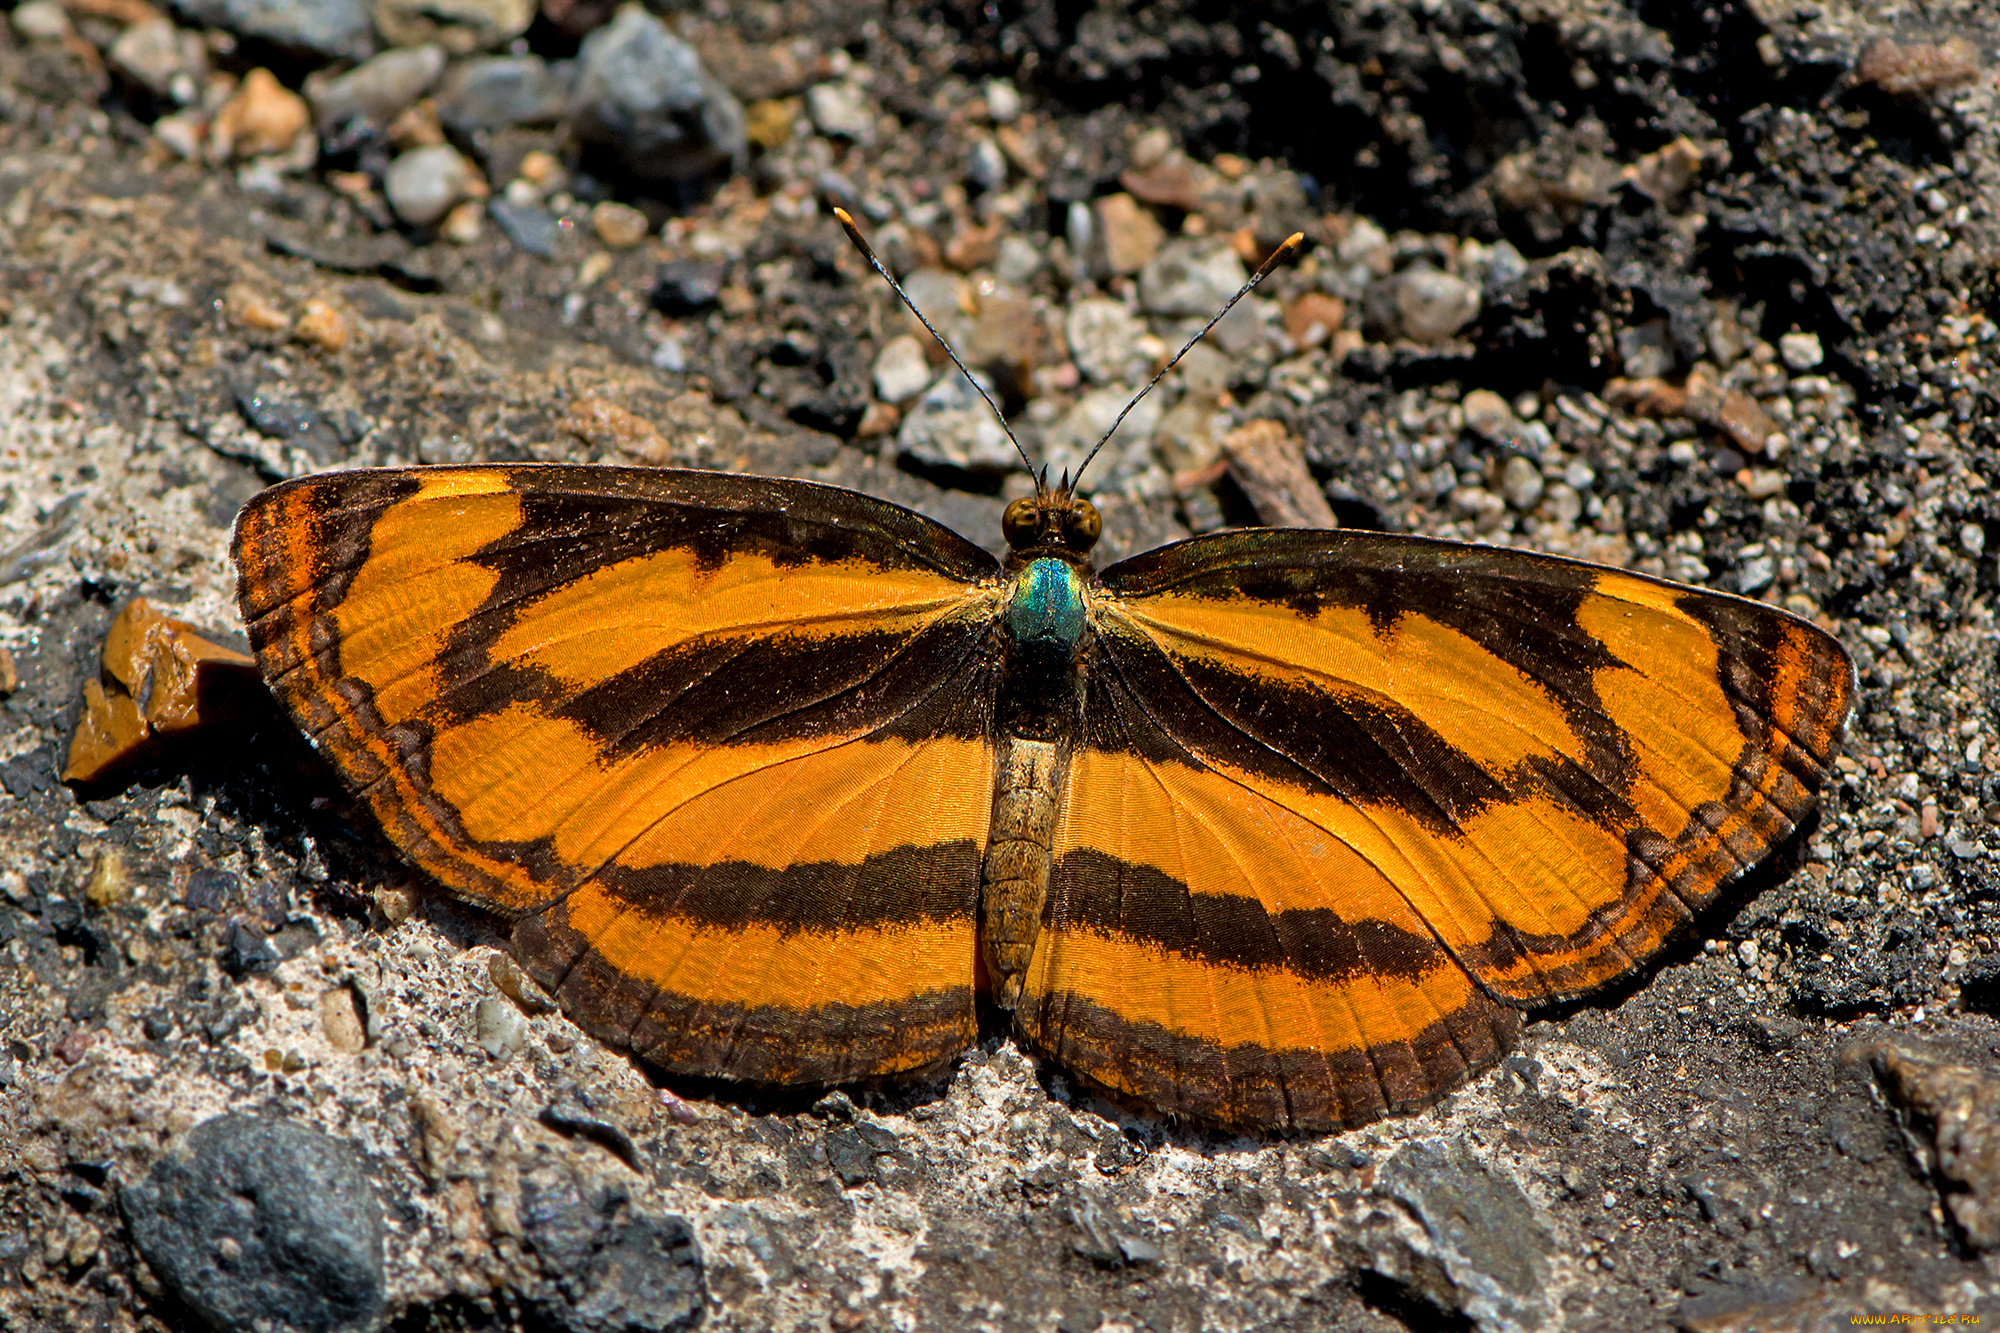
{"type": "Point", "coordinates": [1265, 828]}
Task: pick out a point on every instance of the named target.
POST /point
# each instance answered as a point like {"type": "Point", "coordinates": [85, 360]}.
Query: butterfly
{"type": "Point", "coordinates": [778, 782]}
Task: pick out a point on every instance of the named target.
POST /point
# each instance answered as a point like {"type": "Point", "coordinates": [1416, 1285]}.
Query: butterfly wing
{"type": "Point", "coordinates": [718, 744]}
{"type": "Point", "coordinates": [1340, 793]}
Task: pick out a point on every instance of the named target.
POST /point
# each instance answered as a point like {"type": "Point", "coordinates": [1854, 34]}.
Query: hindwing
{"type": "Point", "coordinates": [718, 744]}
{"type": "Point", "coordinates": [1341, 797]}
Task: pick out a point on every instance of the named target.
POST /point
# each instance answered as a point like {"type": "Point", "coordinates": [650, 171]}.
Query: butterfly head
{"type": "Point", "coordinates": [1054, 522]}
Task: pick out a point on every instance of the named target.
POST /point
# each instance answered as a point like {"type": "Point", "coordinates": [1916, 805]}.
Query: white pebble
{"type": "Point", "coordinates": [901, 371]}
{"type": "Point", "coordinates": [1801, 351]}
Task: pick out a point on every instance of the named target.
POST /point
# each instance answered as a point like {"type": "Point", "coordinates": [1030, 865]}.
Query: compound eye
{"type": "Point", "coordinates": [1021, 524]}
{"type": "Point", "coordinates": [1084, 525]}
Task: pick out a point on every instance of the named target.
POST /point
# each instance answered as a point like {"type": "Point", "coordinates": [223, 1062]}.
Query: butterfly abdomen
{"type": "Point", "coordinates": [1037, 719]}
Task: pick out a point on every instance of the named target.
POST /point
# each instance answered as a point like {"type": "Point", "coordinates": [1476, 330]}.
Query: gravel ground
{"type": "Point", "coordinates": [1701, 290]}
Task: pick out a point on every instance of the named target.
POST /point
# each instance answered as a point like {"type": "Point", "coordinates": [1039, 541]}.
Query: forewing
{"type": "Point", "coordinates": [1464, 760]}
{"type": "Point", "coordinates": [717, 743]}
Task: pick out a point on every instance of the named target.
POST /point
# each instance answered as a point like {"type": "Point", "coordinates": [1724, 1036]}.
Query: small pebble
{"type": "Point", "coordinates": [496, 92]}
{"type": "Point", "coordinates": [423, 184]}
{"type": "Point", "coordinates": [901, 371]}
{"type": "Point", "coordinates": [1313, 318]}
{"type": "Point", "coordinates": [1488, 415]}
{"type": "Point", "coordinates": [773, 121]}
{"type": "Point", "coordinates": [1103, 340]}
{"type": "Point", "coordinates": [972, 246]}
{"type": "Point", "coordinates": [1185, 441]}
{"type": "Point", "coordinates": [1801, 351]}
{"type": "Point", "coordinates": [1008, 331]}
{"type": "Point", "coordinates": [1972, 539]}
{"type": "Point", "coordinates": [464, 224]}
{"type": "Point", "coordinates": [498, 1027]}
{"type": "Point", "coordinates": [1128, 234]}
{"type": "Point", "coordinates": [42, 21]}
{"type": "Point", "coordinates": [1003, 100]}
{"type": "Point", "coordinates": [619, 226]}
{"type": "Point", "coordinates": [1756, 569]}
{"type": "Point", "coordinates": [878, 419]}
{"type": "Point", "coordinates": [841, 111]}
{"type": "Point", "coordinates": [541, 169]}
{"type": "Point", "coordinates": [321, 324]}
{"type": "Point", "coordinates": [340, 1021]}
{"type": "Point", "coordinates": [461, 27]}
{"type": "Point", "coordinates": [395, 903]}
{"type": "Point", "coordinates": [684, 286]}
{"type": "Point", "coordinates": [1367, 246]}
{"type": "Point", "coordinates": [642, 92]}
{"type": "Point", "coordinates": [1434, 305]}
{"type": "Point", "coordinates": [1521, 483]}
{"type": "Point", "coordinates": [184, 133]}
{"type": "Point", "coordinates": [248, 308]}
{"type": "Point", "coordinates": [1016, 259]}
{"type": "Point", "coordinates": [379, 90]}
{"type": "Point", "coordinates": [950, 424]}
{"type": "Point", "coordinates": [261, 120]}
{"type": "Point", "coordinates": [986, 165]}
{"type": "Point", "coordinates": [1077, 431]}
{"type": "Point", "coordinates": [1191, 277]}
{"type": "Point", "coordinates": [158, 57]}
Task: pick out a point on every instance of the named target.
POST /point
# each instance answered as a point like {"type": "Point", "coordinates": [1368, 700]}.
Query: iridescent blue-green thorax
{"type": "Point", "coordinates": [1045, 616]}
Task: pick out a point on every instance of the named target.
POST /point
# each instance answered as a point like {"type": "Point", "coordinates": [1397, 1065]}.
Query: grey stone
{"type": "Point", "coordinates": [263, 1223]}
{"type": "Point", "coordinates": [986, 165]}
{"type": "Point", "coordinates": [1647, 350]}
{"type": "Point", "coordinates": [683, 286]}
{"type": "Point", "coordinates": [951, 425]}
{"type": "Point", "coordinates": [901, 370]}
{"type": "Point", "coordinates": [41, 21]}
{"type": "Point", "coordinates": [337, 28]}
{"type": "Point", "coordinates": [497, 91]}
{"type": "Point", "coordinates": [1434, 304]}
{"type": "Point", "coordinates": [1479, 1249]}
{"type": "Point", "coordinates": [1488, 415]}
{"type": "Point", "coordinates": [1076, 433]}
{"type": "Point", "coordinates": [378, 90]}
{"type": "Point", "coordinates": [943, 298]}
{"type": "Point", "coordinates": [1018, 260]}
{"type": "Point", "coordinates": [1756, 569]}
{"type": "Point", "coordinates": [161, 58]}
{"type": "Point", "coordinates": [610, 1266]}
{"type": "Point", "coordinates": [841, 111]}
{"type": "Point", "coordinates": [424, 183]}
{"type": "Point", "coordinates": [1103, 340]}
{"type": "Point", "coordinates": [1521, 483]}
{"type": "Point", "coordinates": [642, 92]}
{"type": "Point", "coordinates": [1959, 1110]}
{"type": "Point", "coordinates": [1190, 277]}
{"type": "Point", "coordinates": [1504, 266]}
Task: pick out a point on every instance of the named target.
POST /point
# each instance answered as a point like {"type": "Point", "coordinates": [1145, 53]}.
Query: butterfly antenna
{"type": "Point", "coordinates": [868, 253]}
{"type": "Point", "coordinates": [1283, 251]}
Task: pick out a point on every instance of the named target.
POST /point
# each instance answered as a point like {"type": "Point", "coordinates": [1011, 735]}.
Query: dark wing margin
{"type": "Point", "coordinates": [717, 742]}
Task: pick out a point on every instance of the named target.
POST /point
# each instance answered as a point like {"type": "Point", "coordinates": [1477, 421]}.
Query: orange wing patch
{"type": "Point", "coordinates": [1554, 764]}
{"type": "Point", "coordinates": [719, 744]}
{"type": "Point", "coordinates": [1212, 952]}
